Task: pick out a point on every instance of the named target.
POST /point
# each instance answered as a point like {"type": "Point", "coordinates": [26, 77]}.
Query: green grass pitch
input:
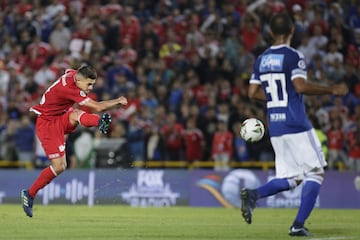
{"type": "Point", "coordinates": [176, 223]}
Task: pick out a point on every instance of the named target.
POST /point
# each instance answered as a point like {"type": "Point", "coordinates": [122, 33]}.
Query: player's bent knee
{"type": "Point", "coordinates": [58, 165]}
{"type": "Point", "coordinates": [293, 183]}
{"type": "Point", "coordinates": [59, 169]}
{"type": "Point", "coordinates": [315, 177]}
{"type": "Point", "coordinates": [75, 115]}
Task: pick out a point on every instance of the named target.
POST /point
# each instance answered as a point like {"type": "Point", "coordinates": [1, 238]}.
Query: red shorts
{"type": "Point", "coordinates": [51, 133]}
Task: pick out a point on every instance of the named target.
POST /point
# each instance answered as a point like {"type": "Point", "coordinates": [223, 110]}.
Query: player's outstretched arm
{"type": "Point", "coordinates": [105, 105]}
{"type": "Point", "coordinates": [310, 88]}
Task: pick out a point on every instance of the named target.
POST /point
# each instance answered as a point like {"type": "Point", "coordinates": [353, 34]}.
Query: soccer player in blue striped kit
{"type": "Point", "coordinates": [280, 78]}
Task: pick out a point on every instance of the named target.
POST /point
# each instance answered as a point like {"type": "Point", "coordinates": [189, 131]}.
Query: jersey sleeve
{"type": "Point", "coordinates": [298, 66]}
{"type": "Point", "coordinates": [254, 78]}
{"type": "Point", "coordinates": [76, 95]}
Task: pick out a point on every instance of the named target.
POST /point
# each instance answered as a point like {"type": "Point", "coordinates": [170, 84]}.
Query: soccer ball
{"type": "Point", "coordinates": [252, 130]}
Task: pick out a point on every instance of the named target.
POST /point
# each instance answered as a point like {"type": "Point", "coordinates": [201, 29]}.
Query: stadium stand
{"type": "Point", "coordinates": [190, 59]}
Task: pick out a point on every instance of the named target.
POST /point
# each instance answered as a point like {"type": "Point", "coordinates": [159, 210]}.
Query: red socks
{"type": "Point", "coordinates": [89, 120]}
{"type": "Point", "coordinates": [45, 177]}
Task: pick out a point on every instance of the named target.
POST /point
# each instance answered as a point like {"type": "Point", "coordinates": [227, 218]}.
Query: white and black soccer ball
{"type": "Point", "coordinates": [252, 130]}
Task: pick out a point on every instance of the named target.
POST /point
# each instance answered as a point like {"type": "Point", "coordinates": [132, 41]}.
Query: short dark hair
{"type": "Point", "coordinates": [87, 71]}
{"type": "Point", "coordinates": [281, 24]}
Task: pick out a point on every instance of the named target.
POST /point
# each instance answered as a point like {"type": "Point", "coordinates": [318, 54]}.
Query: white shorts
{"type": "Point", "coordinates": [298, 154]}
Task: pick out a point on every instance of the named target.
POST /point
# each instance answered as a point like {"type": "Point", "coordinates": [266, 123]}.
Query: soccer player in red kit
{"type": "Point", "coordinates": [57, 117]}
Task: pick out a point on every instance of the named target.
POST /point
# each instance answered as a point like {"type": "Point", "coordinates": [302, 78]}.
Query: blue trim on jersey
{"type": "Point", "coordinates": [274, 70]}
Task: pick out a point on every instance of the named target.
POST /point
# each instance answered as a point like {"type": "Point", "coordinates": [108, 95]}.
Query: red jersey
{"type": "Point", "coordinates": [130, 28]}
{"type": "Point", "coordinates": [201, 96]}
{"type": "Point", "coordinates": [249, 37]}
{"type": "Point", "coordinates": [60, 96]}
{"type": "Point", "coordinates": [222, 143]}
{"type": "Point", "coordinates": [129, 56]}
{"type": "Point", "coordinates": [354, 144]}
{"type": "Point", "coordinates": [173, 135]}
{"type": "Point", "coordinates": [336, 139]}
{"type": "Point", "coordinates": [194, 142]}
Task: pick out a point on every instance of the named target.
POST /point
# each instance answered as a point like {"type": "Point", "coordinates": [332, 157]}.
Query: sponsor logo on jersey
{"type": "Point", "coordinates": [271, 62]}
{"type": "Point", "coordinates": [54, 155]}
{"type": "Point", "coordinates": [277, 117]}
{"type": "Point", "coordinates": [62, 148]}
{"type": "Point", "coordinates": [301, 64]}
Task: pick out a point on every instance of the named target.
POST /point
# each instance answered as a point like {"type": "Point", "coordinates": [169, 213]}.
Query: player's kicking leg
{"type": "Point", "coordinates": [27, 202]}
{"type": "Point", "coordinates": [248, 203]}
{"type": "Point", "coordinates": [249, 197]}
{"type": "Point", "coordinates": [91, 120]}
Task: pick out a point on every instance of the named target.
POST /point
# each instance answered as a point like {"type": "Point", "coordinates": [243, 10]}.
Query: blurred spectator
{"type": "Point", "coordinates": [111, 35]}
{"type": "Point", "coordinates": [170, 48]}
{"type": "Point", "coordinates": [127, 53]}
{"type": "Point", "coordinates": [4, 80]}
{"type": "Point", "coordinates": [209, 128]}
{"type": "Point", "coordinates": [323, 137]}
{"type": "Point", "coordinates": [222, 147]}
{"type": "Point", "coordinates": [8, 141]}
{"type": "Point", "coordinates": [242, 60]}
{"type": "Point", "coordinates": [175, 96]}
{"type": "Point", "coordinates": [136, 139]}
{"type": "Point", "coordinates": [44, 75]}
{"type": "Point", "coordinates": [155, 145]}
{"type": "Point", "coordinates": [13, 111]}
{"type": "Point", "coordinates": [121, 85]}
{"type": "Point", "coordinates": [241, 152]}
{"type": "Point", "coordinates": [333, 55]}
{"type": "Point", "coordinates": [336, 143]}
{"type": "Point", "coordinates": [249, 29]}
{"type": "Point", "coordinates": [318, 40]}
{"type": "Point", "coordinates": [301, 24]}
{"type": "Point", "coordinates": [172, 133]}
{"type": "Point", "coordinates": [353, 57]}
{"type": "Point", "coordinates": [142, 12]}
{"type": "Point", "coordinates": [210, 47]}
{"type": "Point", "coordinates": [60, 37]}
{"type": "Point", "coordinates": [194, 37]}
{"type": "Point", "coordinates": [38, 52]}
{"type": "Point", "coordinates": [130, 26]}
{"type": "Point", "coordinates": [118, 68]}
{"type": "Point", "coordinates": [194, 141]}
{"type": "Point", "coordinates": [25, 139]}
{"type": "Point", "coordinates": [223, 113]}
{"type": "Point", "coordinates": [354, 21]}
{"type": "Point", "coordinates": [353, 145]}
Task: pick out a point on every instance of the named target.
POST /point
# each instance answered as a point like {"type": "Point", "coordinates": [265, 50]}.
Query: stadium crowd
{"type": "Point", "coordinates": [184, 66]}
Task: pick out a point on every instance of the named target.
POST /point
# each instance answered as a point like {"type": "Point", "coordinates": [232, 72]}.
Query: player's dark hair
{"type": "Point", "coordinates": [281, 24]}
{"type": "Point", "coordinates": [87, 71]}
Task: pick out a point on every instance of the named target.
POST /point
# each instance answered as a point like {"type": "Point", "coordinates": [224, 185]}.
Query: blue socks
{"type": "Point", "coordinates": [309, 194]}
{"type": "Point", "coordinates": [274, 186]}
